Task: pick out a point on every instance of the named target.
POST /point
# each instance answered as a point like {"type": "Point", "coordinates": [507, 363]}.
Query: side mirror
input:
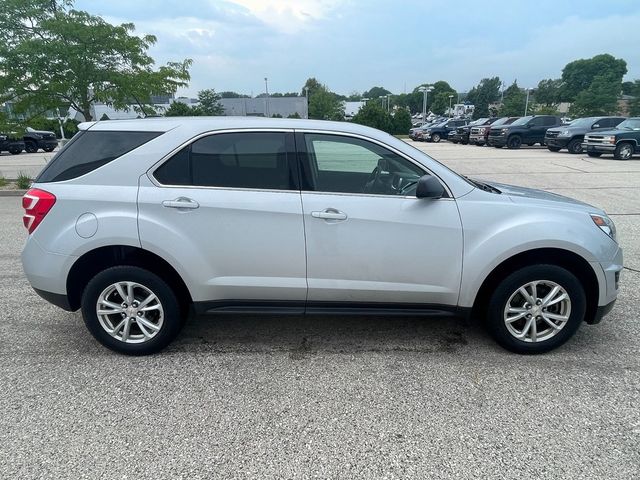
{"type": "Point", "coordinates": [429, 187]}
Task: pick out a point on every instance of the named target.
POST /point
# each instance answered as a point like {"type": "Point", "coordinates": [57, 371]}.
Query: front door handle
{"type": "Point", "coordinates": [330, 214]}
{"type": "Point", "coordinates": [181, 202]}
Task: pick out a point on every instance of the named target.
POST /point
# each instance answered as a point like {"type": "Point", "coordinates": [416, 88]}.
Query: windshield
{"type": "Point", "coordinates": [630, 124]}
{"type": "Point", "coordinates": [583, 122]}
{"type": "Point", "coordinates": [479, 121]}
{"type": "Point", "coordinates": [522, 121]}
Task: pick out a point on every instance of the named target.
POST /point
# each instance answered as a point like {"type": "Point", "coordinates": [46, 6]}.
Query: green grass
{"type": "Point", "coordinates": [3, 181]}
{"type": "Point", "coordinates": [24, 181]}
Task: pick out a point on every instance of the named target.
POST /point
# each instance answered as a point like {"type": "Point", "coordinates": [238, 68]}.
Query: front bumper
{"type": "Point", "coordinates": [598, 147]}
{"type": "Point", "coordinates": [47, 143]}
{"type": "Point", "coordinates": [497, 141]}
{"type": "Point", "coordinates": [478, 139]}
{"type": "Point", "coordinates": [557, 142]}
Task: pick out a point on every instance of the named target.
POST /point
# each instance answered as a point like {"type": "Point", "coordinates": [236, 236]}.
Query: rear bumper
{"type": "Point", "coordinates": [58, 299]}
{"type": "Point", "coordinates": [47, 272]}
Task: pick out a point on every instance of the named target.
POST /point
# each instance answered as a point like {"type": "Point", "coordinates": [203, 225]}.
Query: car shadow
{"type": "Point", "coordinates": [301, 336]}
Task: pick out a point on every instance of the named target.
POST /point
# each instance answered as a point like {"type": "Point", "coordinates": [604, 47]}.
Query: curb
{"type": "Point", "coordinates": [12, 193]}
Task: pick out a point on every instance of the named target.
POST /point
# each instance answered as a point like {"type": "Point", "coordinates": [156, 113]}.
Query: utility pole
{"type": "Point", "coordinates": [266, 99]}
{"type": "Point", "coordinates": [526, 105]}
{"type": "Point", "coordinates": [306, 94]}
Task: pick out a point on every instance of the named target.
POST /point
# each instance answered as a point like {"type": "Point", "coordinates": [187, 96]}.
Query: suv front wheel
{"type": "Point", "coordinates": [131, 310]}
{"type": "Point", "coordinates": [515, 141]}
{"type": "Point", "coordinates": [536, 309]}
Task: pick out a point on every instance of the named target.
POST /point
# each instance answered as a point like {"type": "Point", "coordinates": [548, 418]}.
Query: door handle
{"type": "Point", "coordinates": [330, 214]}
{"type": "Point", "coordinates": [181, 202]}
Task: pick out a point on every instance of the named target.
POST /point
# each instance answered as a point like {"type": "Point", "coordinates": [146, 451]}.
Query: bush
{"type": "Point", "coordinates": [401, 122]}
{"type": "Point", "coordinates": [373, 115]}
{"type": "Point", "coordinates": [3, 181]}
{"type": "Point", "coordinates": [24, 181]}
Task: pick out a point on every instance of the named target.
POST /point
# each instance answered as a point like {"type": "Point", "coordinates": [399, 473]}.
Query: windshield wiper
{"type": "Point", "coordinates": [483, 186]}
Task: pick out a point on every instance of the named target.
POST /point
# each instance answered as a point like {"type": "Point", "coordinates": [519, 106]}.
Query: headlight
{"type": "Point", "coordinates": [605, 224]}
{"type": "Point", "coordinates": [609, 139]}
{"type": "Point", "coordinates": [564, 133]}
{"type": "Point", "coordinates": [482, 131]}
{"type": "Point", "coordinates": [504, 130]}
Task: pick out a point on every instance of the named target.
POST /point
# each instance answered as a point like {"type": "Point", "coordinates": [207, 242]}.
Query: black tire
{"type": "Point", "coordinates": [464, 142]}
{"type": "Point", "coordinates": [514, 142]}
{"type": "Point", "coordinates": [172, 313]}
{"type": "Point", "coordinates": [49, 149]}
{"type": "Point", "coordinates": [594, 154]}
{"type": "Point", "coordinates": [453, 141]}
{"type": "Point", "coordinates": [624, 151]}
{"type": "Point", "coordinates": [498, 302]}
{"type": "Point", "coordinates": [435, 138]}
{"type": "Point", "coordinates": [30, 147]}
{"type": "Point", "coordinates": [575, 146]}
{"type": "Point", "coordinates": [15, 151]}
{"type": "Point", "coordinates": [553, 149]}
{"type": "Point", "coordinates": [498, 146]}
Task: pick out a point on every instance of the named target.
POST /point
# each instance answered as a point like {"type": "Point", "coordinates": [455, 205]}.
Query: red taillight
{"type": "Point", "coordinates": [36, 204]}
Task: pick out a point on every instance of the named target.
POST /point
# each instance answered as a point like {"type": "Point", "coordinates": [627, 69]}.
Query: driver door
{"type": "Point", "coordinates": [369, 240]}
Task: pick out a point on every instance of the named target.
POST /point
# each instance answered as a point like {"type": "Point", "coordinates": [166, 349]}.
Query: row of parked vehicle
{"type": "Point", "coordinates": [31, 142]}
{"type": "Point", "coordinates": [616, 135]}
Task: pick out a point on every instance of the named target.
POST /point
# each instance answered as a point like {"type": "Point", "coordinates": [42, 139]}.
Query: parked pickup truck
{"type": "Point", "coordinates": [623, 141]}
{"type": "Point", "coordinates": [462, 134]}
{"type": "Point", "coordinates": [39, 139]}
{"type": "Point", "coordinates": [479, 134]}
{"type": "Point", "coordinates": [10, 143]}
{"type": "Point", "coordinates": [435, 133]}
{"type": "Point", "coordinates": [571, 136]}
{"type": "Point", "coordinates": [528, 130]}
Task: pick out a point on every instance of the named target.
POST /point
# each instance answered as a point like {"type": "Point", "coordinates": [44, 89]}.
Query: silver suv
{"type": "Point", "coordinates": [139, 222]}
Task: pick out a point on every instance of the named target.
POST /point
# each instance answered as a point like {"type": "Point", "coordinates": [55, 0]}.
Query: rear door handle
{"type": "Point", "coordinates": [330, 214]}
{"type": "Point", "coordinates": [181, 202]}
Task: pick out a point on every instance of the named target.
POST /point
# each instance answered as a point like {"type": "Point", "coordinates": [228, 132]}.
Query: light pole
{"type": "Point", "coordinates": [306, 95]}
{"type": "Point", "coordinates": [450, 112]}
{"type": "Point", "coordinates": [266, 99]}
{"type": "Point", "coordinates": [388, 102]}
{"type": "Point", "coordinates": [526, 105]}
{"type": "Point", "coordinates": [425, 94]}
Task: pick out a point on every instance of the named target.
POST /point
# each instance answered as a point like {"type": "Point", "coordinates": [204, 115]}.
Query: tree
{"type": "Point", "coordinates": [548, 92]}
{"type": "Point", "coordinates": [229, 94]}
{"type": "Point", "coordinates": [210, 103]}
{"type": "Point", "coordinates": [325, 105]}
{"type": "Point", "coordinates": [401, 121]}
{"type": "Point", "coordinates": [52, 55]}
{"type": "Point", "coordinates": [294, 115]}
{"type": "Point", "coordinates": [634, 107]}
{"type": "Point", "coordinates": [373, 115]}
{"type": "Point", "coordinates": [310, 87]}
{"type": "Point", "coordinates": [577, 76]}
{"type": "Point", "coordinates": [514, 101]}
{"type": "Point", "coordinates": [180, 109]}
{"type": "Point", "coordinates": [485, 93]}
{"type": "Point", "coordinates": [601, 98]}
{"type": "Point", "coordinates": [375, 92]}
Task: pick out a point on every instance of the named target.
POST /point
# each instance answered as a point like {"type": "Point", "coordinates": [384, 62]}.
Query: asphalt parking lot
{"type": "Point", "coordinates": [327, 397]}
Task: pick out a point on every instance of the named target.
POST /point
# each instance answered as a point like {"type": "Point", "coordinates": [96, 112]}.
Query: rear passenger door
{"type": "Point", "coordinates": [226, 211]}
{"type": "Point", "coordinates": [537, 129]}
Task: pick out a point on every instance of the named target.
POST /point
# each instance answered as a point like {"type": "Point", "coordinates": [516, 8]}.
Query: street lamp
{"type": "Point", "coordinates": [425, 93]}
{"type": "Point", "coordinates": [306, 95]}
{"type": "Point", "coordinates": [526, 105]}
{"type": "Point", "coordinates": [266, 100]}
{"type": "Point", "coordinates": [388, 102]}
{"type": "Point", "coordinates": [450, 98]}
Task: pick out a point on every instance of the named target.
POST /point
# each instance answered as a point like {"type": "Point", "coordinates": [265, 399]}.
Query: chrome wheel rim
{"type": "Point", "coordinates": [625, 152]}
{"type": "Point", "coordinates": [537, 311]}
{"type": "Point", "coordinates": [130, 312]}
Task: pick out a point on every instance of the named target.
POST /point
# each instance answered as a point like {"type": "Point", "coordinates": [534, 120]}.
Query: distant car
{"type": "Point", "coordinates": [478, 134]}
{"type": "Point", "coordinates": [571, 136]}
{"type": "Point", "coordinates": [417, 133]}
{"type": "Point", "coordinates": [623, 141]}
{"type": "Point", "coordinates": [10, 143]}
{"type": "Point", "coordinates": [527, 130]}
{"type": "Point", "coordinates": [39, 139]}
{"type": "Point", "coordinates": [463, 133]}
{"type": "Point", "coordinates": [441, 130]}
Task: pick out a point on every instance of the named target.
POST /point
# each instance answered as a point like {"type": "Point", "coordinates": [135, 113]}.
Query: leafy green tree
{"type": "Point", "coordinates": [577, 76]}
{"type": "Point", "coordinates": [373, 115]}
{"type": "Point", "coordinates": [312, 85]}
{"type": "Point", "coordinates": [52, 55]}
{"type": "Point", "coordinates": [601, 98]}
{"type": "Point", "coordinates": [634, 107]}
{"type": "Point", "coordinates": [401, 121]}
{"type": "Point", "coordinates": [210, 103]}
{"type": "Point", "coordinates": [354, 97]}
{"type": "Point", "coordinates": [482, 95]}
{"type": "Point", "coordinates": [229, 94]}
{"type": "Point", "coordinates": [294, 115]}
{"type": "Point", "coordinates": [548, 92]}
{"type": "Point", "coordinates": [325, 105]}
{"type": "Point", "coordinates": [375, 92]}
{"type": "Point", "coordinates": [514, 101]}
{"type": "Point", "coordinates": [180, 109]}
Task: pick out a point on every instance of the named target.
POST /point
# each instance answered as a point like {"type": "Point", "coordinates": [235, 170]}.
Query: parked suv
{"type": "Point", "coordinates": [137, 221]}
{"type": "Point", "coordinates": [478, 135]}
{"type": "Point", "coordinates": [10, 143]}
{"type": "Point", "coordinates": [623, 141]}
{"type": "Point", "coordinates": [463, 133]}
{"type": "Point", "coordinates": [571, 136]}
{"type": "Point", "coordinates": [526, 130]}
{"type": "Point", "coordinates": [440, 131]}
{"type": "Point", "coordinates": [39, 139]}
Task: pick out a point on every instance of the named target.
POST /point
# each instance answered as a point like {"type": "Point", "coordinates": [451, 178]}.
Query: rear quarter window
{"type": "Point", "coordinates": [89, 150]}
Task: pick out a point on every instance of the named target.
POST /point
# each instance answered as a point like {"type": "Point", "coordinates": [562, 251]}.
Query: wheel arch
{"type": "Point", "coordinates": [554, 256]}
{"type": "Point", "coordinates": [96, 260]}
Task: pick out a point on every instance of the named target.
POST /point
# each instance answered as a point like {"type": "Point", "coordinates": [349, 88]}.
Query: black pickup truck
{"type": "Point", "coordinates": [527, 130]}
{"type": "Point", "coordinates": [39, 139]}
{"type": "Point", "coordinates": [623, 141]}
{"type": "Point", "coordinates": [571, 136]}
{"type": "Point", "coordinates": [461, 134]}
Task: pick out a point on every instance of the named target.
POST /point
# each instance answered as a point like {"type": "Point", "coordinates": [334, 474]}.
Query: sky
{"type": "Point", "coordinates": [352, 45]}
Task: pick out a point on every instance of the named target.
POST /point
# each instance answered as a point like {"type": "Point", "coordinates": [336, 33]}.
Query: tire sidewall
{"type": "Point", "coordinates": [514, 142]}
{"type": "Point", "coordinates": [435, 138]}
{"type": "Point", "coordinates": [172, 316]}
{"type": "Point", "coordinates": [572, 146]}
{"type": "Point", "coordinates": [502, 293]}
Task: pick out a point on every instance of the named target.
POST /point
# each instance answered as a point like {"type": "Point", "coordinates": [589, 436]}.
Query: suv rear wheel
{"type": "Point", "coordinates": [536, 309]}
{"type": "Point", "coordinates": [131, 310]}
{"type": "Point", "coordinates": [594, 154]}
{"type": "Point", "coordinates": [514, 141]}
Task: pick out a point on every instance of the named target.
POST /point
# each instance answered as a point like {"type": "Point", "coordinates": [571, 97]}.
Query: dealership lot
{"type": "Point", "coordinates": [271, 397]}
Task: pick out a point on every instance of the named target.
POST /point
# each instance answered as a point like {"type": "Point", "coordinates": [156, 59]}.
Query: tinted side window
{"type": "Point", "coordinates": [89, 150]}
{"type": "Point", "coordinates": [239, 160]}
{"type": "Point", "coordinates": [549, 121]}
{"type": "Point", "coordinates": [352, 165]}
{"type": "Point", "coordinates": [536, 122]}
